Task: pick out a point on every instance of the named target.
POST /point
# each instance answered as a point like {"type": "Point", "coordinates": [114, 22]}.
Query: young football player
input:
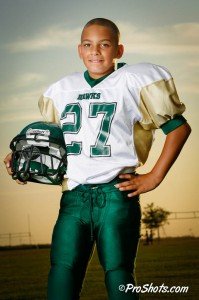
{"type": "Point", "coordinates": [108, 114]}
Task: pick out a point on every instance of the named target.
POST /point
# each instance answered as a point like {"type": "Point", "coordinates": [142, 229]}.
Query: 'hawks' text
{"type": "Point", "coordinates": [88, 96]}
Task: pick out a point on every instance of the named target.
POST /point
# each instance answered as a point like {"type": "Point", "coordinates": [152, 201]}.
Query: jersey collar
{"type": "Point", "coordinates": [92, 82]}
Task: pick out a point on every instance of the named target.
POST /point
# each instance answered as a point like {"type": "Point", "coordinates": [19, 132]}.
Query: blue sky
{"type": "Point", "coordinates": [38, 46]}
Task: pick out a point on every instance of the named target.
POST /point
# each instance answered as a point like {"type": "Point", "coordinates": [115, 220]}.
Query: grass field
{"type": "Point", "coordinates": [23, 273]}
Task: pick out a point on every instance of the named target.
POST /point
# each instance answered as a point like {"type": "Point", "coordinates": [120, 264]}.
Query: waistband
{"type": "Point", "coordinates": [104, 186]}
{"type": "Point", "coordinates": [110, 183]}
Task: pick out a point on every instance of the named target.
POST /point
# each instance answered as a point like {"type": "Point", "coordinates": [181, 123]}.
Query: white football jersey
{"type": "Point", "coordinates": [108, 128]}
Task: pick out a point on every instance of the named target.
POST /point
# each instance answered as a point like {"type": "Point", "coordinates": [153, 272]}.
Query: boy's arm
{"type": "Point", "coordinates": [174, 143]}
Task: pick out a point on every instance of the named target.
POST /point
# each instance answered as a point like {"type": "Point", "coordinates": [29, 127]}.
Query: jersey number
{"type": "Point", "coordinates": [100, 148]}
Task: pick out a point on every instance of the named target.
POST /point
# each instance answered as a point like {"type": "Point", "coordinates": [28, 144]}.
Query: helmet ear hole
{"type": "Point", "coordinates": [24, 176]}
{"type": "Point", "coordinates": [39, 154]}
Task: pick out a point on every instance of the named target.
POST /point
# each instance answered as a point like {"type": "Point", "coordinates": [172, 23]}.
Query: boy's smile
{"type": "Point", "coordinates": [98, 50]}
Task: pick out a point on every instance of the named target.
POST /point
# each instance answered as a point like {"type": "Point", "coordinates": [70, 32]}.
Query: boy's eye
{"type": "Point", "coordinates": [86, 45]}
{"type": "Point", "coordinates": [105, 45]}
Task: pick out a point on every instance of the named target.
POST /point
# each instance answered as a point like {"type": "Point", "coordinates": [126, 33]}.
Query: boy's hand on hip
{"type": "Point", "coordinates": [138, 184]}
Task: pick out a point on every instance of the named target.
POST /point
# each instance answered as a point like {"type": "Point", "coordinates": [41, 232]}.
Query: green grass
{"type": "Point", "coordinates": [23, 273]}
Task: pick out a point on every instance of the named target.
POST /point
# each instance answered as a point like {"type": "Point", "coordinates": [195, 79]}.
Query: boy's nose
{"type": "Point", "coordinates": [95, 50]}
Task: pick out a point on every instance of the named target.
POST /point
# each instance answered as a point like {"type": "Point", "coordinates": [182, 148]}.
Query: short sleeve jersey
{"type": "Point", "coordinates": [108, 127]}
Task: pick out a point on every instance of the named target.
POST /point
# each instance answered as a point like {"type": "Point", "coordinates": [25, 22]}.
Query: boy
{"type": "Point", "coordinates": [99, 111]}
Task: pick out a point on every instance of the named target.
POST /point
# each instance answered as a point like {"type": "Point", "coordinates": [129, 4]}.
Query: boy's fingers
{"type": "Point", "coordinates": [127, 176]}
{"type": "Point", "coordinates": [8, 167]}
{"type": "Point", "coordinates": [136, 193]}
{"type": "Point", "coordinates": [126, 183]}
{"type": "Point", "coordinates": [8, 158]}
{"type": "Point", "coordinates": [20, 182]}
{"type": "Point", "coordinates": [9, 170]}
{"type": "Point", "coordinates": [7, 162]}
{"type": "Point", "coordinates": [128, 188]}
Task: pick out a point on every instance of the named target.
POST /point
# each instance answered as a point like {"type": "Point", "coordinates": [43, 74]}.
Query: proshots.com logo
{"type": "Point", "coordinates": [150, 288]}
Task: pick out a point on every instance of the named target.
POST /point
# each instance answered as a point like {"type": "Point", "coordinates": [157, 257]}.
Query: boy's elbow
{"type": "Point", "coordinates": [185, 131]}
{"type": "Point", "coordinates": [181, 133]}
{"type": "Point", "coordinates": [188, 129]}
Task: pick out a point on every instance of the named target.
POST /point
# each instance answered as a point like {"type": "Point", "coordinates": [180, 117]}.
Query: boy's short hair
{"type": "Point", "coordinates": [106, 23]}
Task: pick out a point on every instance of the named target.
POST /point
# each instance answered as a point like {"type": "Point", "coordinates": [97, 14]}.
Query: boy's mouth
{"type": "Point", "coordinates": [95, 61]}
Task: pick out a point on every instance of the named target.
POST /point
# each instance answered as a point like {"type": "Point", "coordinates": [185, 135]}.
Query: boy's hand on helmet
{"type": "Point", "coordinates": [7, 162]}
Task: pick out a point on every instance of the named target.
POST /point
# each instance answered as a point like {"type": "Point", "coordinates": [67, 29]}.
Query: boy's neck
{"type": "Point", "coordinates": [117, 66]}
{"type": "Point", "coordinates": [93, 81]}
{"type": "Point", "coordinates": [98, 76]}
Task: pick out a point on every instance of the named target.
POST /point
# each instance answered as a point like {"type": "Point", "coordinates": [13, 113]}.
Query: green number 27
{"type": "Point", "coordinates": [100, 148]}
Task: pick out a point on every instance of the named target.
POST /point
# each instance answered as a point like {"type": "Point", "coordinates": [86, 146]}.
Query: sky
{"type": "Point", "coordinates": [38, 46]}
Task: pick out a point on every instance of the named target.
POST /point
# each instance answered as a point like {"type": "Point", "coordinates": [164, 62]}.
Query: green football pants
{"type": "Point", "coordinates": [92, 214]}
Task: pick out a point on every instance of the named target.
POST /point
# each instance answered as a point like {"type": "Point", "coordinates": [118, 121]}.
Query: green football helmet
{"type": "Point", "coordinates": [39, 154]}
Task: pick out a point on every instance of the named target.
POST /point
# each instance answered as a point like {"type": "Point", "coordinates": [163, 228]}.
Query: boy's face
{"type": "Point", "coordinates": [98, 50]}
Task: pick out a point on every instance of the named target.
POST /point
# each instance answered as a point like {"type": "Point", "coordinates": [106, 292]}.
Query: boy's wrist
{"type": "Point", "coordinates": [157, 176]}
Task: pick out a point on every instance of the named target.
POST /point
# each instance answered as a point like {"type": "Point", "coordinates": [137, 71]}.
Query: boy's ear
{"type": "Point", "coordinates": [80, 51]}
{"type": "Point", "coordinates": [120, 51]}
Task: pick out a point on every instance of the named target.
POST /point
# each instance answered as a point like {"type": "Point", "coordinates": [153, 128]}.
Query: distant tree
{"type": "Point", "coordinates": [154, 217]}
